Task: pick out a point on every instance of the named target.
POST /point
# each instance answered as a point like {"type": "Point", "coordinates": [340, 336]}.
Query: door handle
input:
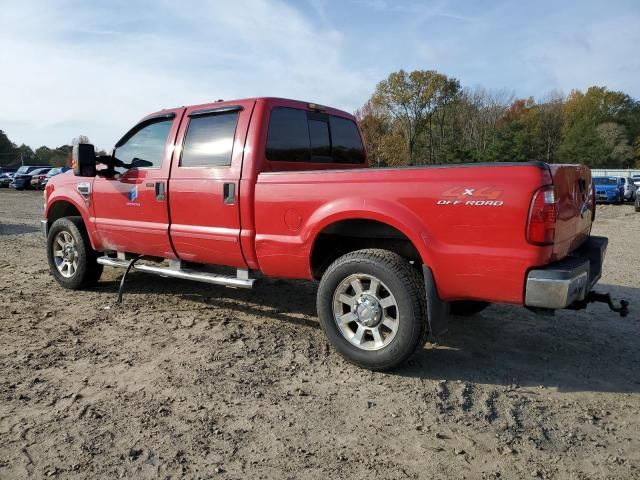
{"type": "Point", "coordinates": [229, 193]}
{"type": "Point", "coordinates": [160, 191]}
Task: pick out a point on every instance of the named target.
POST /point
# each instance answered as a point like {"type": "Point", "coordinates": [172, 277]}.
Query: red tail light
{"type": "Point", "coordinates": [541, 227]}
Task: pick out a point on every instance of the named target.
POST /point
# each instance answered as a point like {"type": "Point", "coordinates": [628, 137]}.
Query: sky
{"type": "Point", "coordinates": [95, 68]}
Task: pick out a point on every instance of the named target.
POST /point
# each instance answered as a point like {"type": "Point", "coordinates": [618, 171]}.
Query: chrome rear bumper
{"type": "Point", "coordinates": [563, 283]}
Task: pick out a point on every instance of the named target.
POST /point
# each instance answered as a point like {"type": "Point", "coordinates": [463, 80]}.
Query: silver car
{"type": "Point", "coordinates": [630, 189]}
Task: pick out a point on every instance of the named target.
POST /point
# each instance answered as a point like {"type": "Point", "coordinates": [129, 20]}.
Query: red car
{"type": "Point", "coordinates": [283, 187]}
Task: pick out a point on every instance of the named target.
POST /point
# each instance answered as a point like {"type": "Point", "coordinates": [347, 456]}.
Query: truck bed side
{"type": "Point", "coordinates": [467, 222]}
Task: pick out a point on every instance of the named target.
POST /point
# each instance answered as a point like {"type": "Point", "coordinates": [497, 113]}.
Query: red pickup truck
{"type": "Point", "coordinates": [219, 191]}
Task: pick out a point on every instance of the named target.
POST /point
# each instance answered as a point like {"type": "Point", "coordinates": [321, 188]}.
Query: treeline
{"type": "Point", "coordinates": [424, 117]}
{"type": "Point", "coordinates": [12, 155]}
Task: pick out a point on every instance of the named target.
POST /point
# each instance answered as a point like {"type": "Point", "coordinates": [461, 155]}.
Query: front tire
{"type": "Point", "coordinates": [372, 307]}
{"type": "Point", "coordinates": [72, 261]}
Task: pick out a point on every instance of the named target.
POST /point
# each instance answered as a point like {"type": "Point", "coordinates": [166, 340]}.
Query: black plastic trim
{"type": "Point", "coordinates": [147, 121]}
{"type": "Point", "coordinates": [216, 110]}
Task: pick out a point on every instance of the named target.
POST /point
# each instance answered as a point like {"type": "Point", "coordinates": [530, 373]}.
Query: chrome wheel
{"type": "Point", "coordinates": [65, 254]}
{"type": "Point", "coordinates": [365, 311]}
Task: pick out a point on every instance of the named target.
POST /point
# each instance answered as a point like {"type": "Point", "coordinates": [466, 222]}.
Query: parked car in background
{"type": "Point", "coordinates": [37, 179]}
{"type": "Point", "coordinates": [636, 180]}
{"type": "Point", "coordinates": [5, 179]}
{"type": "Point", "coordinates": [52, 173]}
{"type": "Point", "coordinates": [609, 189]}
{"type": "Point", "coordinates": [630, 190]}
{"type": "Point", "coordinates": [22, 178]}
{"type": "Point", "coordinates": [4, 170]}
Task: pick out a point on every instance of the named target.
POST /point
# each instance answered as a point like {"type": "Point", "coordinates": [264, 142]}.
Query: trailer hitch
{"type": "Point", "coordinates": [593, 297]}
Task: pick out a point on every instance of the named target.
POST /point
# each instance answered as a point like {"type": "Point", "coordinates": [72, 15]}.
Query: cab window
{"type": "Point", "coordinates": [296, 135]}
{"type": "Point", "coordinates": [145, 143]}
{"type": "Point", "coordinates": [209, 140]}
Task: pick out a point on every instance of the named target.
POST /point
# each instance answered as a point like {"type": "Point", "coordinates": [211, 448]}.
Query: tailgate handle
{"type": "Point", "coordinates": [229, 193]}
{"type": "Point", "coordinates": [160, 191]}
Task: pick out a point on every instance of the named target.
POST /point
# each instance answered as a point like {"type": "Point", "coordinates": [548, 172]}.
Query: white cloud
{"type": "Point", "coordinates": [71, 67]}
{"type": "Point", "coordinates": [79, 70]}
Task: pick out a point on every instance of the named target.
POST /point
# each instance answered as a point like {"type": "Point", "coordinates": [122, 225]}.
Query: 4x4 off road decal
{"type": "Point", "coordinates": [474, 197]}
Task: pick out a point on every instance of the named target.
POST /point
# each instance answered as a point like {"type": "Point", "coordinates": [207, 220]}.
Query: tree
{"type": "Point", "coordinates": [550, 125]}
{"type": "Point", "coordinates": [7, 150]}
{"type": "Point", "coordinates": [410, 100]}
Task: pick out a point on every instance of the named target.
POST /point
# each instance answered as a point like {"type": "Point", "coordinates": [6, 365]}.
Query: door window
{"type": "Point", "coordinates": [209, 140]}
{"type": "Point", "coordinates": [145, 143]}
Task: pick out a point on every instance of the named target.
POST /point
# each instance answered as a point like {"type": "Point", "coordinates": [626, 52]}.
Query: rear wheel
{"type": "Point", "coordinates": [72, 261]}
{"type": "Point", "coordinates": [371, 305]}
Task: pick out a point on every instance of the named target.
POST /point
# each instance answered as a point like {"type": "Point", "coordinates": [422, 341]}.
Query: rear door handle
{"type": "Point", "coordinates": [160, 191]}
{"type": "Point", "coordinates": [229, 193]}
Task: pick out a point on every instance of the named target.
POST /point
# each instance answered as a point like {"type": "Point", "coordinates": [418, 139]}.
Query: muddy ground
{"type": "Point", "coordinates": [192, 381]}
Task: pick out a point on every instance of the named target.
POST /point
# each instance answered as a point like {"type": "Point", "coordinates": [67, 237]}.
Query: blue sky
{"type": "Point", "coordinates": [95, 68]}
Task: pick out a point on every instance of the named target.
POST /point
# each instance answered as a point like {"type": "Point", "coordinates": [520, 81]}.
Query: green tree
{"type": "Point", "coordinates": [409, 101]}
{"type": "Point", "coordinates": [7, 150]}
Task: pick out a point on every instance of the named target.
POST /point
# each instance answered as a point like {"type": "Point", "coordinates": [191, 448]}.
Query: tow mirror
{"type": "Point", "coordinates": [83, 160]}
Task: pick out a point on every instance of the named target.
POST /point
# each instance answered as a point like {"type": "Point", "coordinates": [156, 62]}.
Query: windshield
{"type": "Point", "coordinates": [604, 181]}
{"type": "Point", "coordinates": [53, 172]}
{"type": "Point", "coordinates": [23, 170]}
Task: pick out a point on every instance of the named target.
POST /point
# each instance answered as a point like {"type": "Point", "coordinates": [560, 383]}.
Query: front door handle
{"type": "Point", "coordinates": [229, 193]}
{"type": "Point", "coordinates": [160, 191]}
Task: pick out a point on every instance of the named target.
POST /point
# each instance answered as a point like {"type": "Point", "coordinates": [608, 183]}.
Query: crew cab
{"type": "Point", "coordinates": [225, 191]}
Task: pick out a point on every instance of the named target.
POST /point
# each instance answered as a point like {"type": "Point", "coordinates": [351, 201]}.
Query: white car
{"type": "Point", "coordinates": [630, 189]}
{"type": "Point", "coordinates": [636, 180]}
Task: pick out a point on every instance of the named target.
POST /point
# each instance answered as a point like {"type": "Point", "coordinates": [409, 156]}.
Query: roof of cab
{"type": "Point", "coordinates": [269, 100]}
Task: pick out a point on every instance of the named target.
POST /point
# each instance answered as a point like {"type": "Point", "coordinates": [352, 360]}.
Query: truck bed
{"type": "Point", "coordinates": [468, 221]}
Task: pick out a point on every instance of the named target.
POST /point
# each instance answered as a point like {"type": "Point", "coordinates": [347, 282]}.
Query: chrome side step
{"type": "Point", "coordinates": [241, 281]}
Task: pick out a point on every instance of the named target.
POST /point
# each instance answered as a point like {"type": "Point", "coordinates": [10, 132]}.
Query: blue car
{"type": "Point", "coordinates": [609, 189]}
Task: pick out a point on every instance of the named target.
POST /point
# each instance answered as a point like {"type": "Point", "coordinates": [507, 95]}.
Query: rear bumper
{"type": "Point", "coordinates": [560, 284]}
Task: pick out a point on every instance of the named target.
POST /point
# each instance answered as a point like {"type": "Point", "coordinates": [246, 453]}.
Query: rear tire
{"type": "Point", "coordinates": [372, 307]}
{"type": "Point", "coordinates": [72, 261]}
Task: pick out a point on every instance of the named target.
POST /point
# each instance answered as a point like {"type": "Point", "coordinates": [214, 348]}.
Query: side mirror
{"type": "Point", "coordinates": [140, 163]}
{"type": "Point", "coordinates": [83, 160]}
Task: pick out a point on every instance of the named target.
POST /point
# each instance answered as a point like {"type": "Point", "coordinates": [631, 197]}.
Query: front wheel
{"type": "Point", "coordinates": [72, 261]}
{"type": "Point", "coordinates": [371, 305]}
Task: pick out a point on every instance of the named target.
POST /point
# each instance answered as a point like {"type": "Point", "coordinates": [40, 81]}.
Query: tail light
{"type": "Point", "coordinates": [541, 227]}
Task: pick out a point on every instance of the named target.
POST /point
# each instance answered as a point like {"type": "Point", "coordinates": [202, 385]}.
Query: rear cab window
{"type": "Point", "coordinates": [296, 135]}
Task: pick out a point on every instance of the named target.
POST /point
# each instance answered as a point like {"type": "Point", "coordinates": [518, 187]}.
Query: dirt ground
{"type": "Point", "coordinates": [187, 380]}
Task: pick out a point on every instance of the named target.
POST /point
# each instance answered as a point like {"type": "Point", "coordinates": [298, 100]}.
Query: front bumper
{"type": "Point", "coordinates": [608, 196]}
{"type": "Point", "coordinates": [560, 284]}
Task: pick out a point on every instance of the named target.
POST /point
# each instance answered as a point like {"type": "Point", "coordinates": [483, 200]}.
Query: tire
{"type": "Point", "coordinates": [467, 308]}
{"type": "Point", "coordinates": [377, 336]}
{"type": "Point", "coordinates": [69, 236]}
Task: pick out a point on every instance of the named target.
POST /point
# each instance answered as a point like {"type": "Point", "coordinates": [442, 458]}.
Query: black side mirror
{"type": "Point", "coordinates": [83, 161]}
{"type": "Point", "coordinates": [140, 163]}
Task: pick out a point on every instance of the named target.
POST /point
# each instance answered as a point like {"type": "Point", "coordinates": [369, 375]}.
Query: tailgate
{"type": "Point", "coordinates": [574, 197]}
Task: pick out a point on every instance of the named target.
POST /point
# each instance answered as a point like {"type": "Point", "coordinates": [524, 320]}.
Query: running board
{"type": "Point", "coordinates": [241, 281]}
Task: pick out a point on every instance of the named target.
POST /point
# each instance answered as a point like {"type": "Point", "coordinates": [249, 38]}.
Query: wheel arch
{"type": "Point", "coordinates": [385, 225]}
{"type": "Point", "coordinates": [60, 207]}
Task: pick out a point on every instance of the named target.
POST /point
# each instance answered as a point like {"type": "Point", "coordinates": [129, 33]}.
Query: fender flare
{"type": "Point", "coordinates": [81, 208]}
{"type": "Point", "coordinates": [383, 211]}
